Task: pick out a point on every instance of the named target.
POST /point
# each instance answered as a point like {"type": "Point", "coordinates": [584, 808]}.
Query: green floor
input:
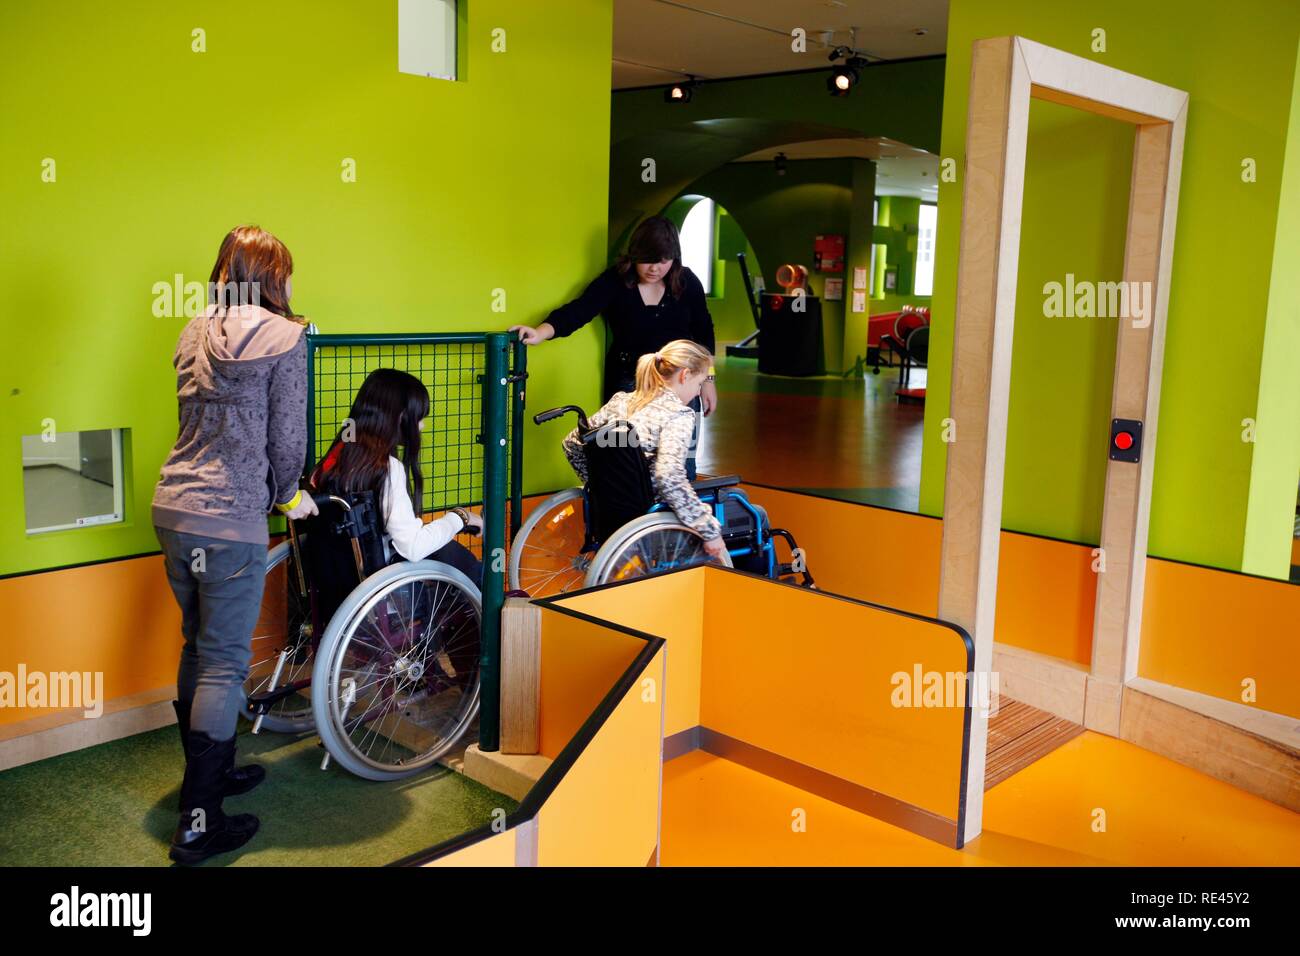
{"type": "Point", "coordinates": [115, 804]}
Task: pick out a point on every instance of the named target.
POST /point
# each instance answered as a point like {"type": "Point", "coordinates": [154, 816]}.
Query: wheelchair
{"type": "Point", "coordinates": [613, 529]}
{"type": "Point", "coordinates": [381, 660]}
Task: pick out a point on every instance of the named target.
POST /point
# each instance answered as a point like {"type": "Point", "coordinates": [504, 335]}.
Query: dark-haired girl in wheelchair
{"type": "Point", "coordinates": [637, 512]}
{"type": "Point", "coordinates": [372, 634]}
{"type": "Point", "coordinates": [389, 412]}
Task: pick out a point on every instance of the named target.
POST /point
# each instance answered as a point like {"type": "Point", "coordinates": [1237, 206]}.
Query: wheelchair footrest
{"type": "Point", "coordinates": [262, 703]}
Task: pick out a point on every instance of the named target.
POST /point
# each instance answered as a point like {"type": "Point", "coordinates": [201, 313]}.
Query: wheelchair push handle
{"type": "Point", "coordinates": [323, 500]}
{"type": "Point", "coordinates": [552, 413]}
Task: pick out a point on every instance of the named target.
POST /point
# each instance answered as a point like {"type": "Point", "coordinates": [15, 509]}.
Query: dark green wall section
{"type": "Point", "coordinates": [498, 182]}
{"type": "Point", "coordinates": [729, 119]}
{"type": "Point", "coordinates": [782, 215]}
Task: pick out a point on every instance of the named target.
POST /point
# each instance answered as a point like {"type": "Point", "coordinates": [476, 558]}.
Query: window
{"type": "Point", "coordinates": [697, 242]}
{"type": "Point", "coordinates": [72, 479]}
{"type": "Point", "coordinates": [426, 38]}
{"type": "Point", "coordinates": [871, 276]}
{"type": "Point", "coordinates": [929, 221]}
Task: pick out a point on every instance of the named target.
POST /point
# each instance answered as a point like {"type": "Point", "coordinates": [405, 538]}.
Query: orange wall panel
{"type": "Point", "coordinates": [1209, 630]}
{"type": "Point", "coordinates": [810, 677]}
{"type": "Point", "coordinates": [581, 662]}
{"type": "Point", "coordinates": [118, 618]}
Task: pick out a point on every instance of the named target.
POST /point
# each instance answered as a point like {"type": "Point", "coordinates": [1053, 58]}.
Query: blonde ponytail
{"type": "Point", "coordinates": [654, 369]}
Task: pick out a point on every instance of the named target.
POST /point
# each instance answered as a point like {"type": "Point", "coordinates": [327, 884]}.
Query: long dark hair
{"type": "Point", "coordinates": [385, 414]}
{"type": "Point", "coordinates": [654, 240]}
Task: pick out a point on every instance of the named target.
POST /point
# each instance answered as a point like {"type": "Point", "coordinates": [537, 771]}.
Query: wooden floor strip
{"type": "Point", "coordinates": [1019, 735]}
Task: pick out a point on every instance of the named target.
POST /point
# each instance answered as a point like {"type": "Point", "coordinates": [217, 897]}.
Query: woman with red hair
{"type": "Point", "coordinates": [241, 387]}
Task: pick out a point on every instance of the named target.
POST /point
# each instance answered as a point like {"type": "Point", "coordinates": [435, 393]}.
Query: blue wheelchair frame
{"type": "Point", "coordinates": [717, 502]}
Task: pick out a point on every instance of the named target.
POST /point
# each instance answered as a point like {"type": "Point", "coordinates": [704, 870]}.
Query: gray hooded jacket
{"type": "Point", "coordinates": [241, 384]}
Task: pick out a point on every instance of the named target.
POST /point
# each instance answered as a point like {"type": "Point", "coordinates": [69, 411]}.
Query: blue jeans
{"type": "Point", "coordinates": [218, 585]}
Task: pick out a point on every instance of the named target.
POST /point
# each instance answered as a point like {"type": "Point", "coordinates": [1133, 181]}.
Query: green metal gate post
{"type": "Point", "coordinates": [496, 394]}
{"type": "Point", "coordinates": [518, 388]}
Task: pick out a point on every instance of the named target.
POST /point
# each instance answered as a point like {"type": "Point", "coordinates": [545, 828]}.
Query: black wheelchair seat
{"type": "Point", "coordinates": [343, 546]}
{"type": "Point", "coordinates": [619, 486]}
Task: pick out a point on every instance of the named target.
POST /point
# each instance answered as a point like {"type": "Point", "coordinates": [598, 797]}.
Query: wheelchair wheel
{"type": "Point", "coordinates": [283, 625]}
{"type": "Point", "coordinates": [651, 544]}
{"type": "Point", "coordinates": [547, 556]}
{"type": "Point", "coordinates": [396, 681]}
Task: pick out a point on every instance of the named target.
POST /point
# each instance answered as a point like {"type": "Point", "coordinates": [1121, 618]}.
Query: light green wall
{"type": "Point", "coordinates": [1275, 465]}
{"type": "Point", "coordinates": [1240, 79]}
{"type": "Point", "coordinates": [896, 231]}
{"type": "Point", "coordinates": [462, 188]}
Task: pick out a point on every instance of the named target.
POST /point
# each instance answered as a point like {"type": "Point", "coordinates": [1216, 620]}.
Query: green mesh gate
{"type": "Point", "coordinates": [471, 455]}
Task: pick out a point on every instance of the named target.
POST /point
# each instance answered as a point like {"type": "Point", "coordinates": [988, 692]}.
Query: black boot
{"type": "Point", "coordinates": [238, 779]}
{"type": "Point", "coordinates": [204, 830]}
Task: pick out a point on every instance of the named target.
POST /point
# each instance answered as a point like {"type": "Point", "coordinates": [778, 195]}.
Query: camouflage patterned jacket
{"type": "Point", "coordinates": [664, 427]}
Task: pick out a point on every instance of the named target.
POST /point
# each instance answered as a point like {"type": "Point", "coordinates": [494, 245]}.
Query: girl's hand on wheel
{"type": "Point", "coordinates": [534, 336]}
{"type": "Point", "coordinates": [714, 547]}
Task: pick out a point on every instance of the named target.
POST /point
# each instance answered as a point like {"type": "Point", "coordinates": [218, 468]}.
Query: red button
{"type": "Point", "coordinates": [1123, 441]}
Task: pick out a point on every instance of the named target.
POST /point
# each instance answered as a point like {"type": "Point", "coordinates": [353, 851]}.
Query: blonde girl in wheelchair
{"type": "Point", "coordinates": [667, 382]}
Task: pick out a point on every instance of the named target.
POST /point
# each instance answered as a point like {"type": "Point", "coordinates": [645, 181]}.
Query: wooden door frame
{"type": "Point", "coordinates": [1006, 73]}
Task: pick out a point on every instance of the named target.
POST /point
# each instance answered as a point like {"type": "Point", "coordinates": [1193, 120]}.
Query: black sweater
{"type": "Point", "coordinates": [634, 327]}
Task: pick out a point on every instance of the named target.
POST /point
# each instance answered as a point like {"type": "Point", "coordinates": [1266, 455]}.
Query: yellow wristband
{"type": "Point", "coordinates": [291, 503]}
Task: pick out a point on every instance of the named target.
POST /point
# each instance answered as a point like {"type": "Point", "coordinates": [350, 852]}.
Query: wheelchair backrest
{"type": "Point", "coordinates": [328, 555]}
{"type": "Point", "coordinates": [619, 486]}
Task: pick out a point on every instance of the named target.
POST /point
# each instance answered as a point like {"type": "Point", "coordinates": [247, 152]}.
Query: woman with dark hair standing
{"type": "Point", "coordinates": [241, 384]}
{"type": "Point", "coordinates": [648, 299]}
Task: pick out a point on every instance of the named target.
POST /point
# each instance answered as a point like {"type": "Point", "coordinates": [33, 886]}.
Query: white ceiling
{"type": "Point", "coordinates": [901, 170]}
{"type": "Point", "coordinates": [660, 41]}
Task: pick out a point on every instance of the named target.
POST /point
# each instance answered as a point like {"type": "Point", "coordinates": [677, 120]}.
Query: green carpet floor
{"type": "Point", "coordinates": [115, 804]}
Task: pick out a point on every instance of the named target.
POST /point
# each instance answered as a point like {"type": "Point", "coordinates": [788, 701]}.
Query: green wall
{"type": "Point", "coordinates": [781, 216]}
{"type": "Point", "coordinates": [729, 119]}
{"type": "Point", "coordinates": [1240, 78]}
{"type": "Point", "coordinates": [499, 181]}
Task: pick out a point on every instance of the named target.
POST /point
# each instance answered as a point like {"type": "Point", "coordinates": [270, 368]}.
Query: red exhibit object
{"type": "Point", "coordinates": [1123, 441]}
{"type": "Point", "coordinates": [828, 253]}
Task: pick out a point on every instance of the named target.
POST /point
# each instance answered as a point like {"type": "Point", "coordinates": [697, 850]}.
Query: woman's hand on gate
{"type": "Point", "coordinates": [534, 336]}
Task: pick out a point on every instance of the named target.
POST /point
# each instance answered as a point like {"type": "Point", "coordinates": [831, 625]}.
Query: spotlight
{"type": "Point", "coordinates": [680, 92]}
{"type": "Point", "coordinates": [844, 76]}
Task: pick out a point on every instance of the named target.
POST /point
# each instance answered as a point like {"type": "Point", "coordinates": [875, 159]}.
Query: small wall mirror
{"type": "Point", "coordinates": [72, 479]}
{"type": "Point", "coordinates": [426, 38]}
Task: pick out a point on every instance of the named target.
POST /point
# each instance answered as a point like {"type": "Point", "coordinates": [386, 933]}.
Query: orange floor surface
{"type": "Point", "coordinates": [1096, 801]}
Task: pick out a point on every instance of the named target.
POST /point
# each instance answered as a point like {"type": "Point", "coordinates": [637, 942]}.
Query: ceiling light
{"type": "Point", "coordinates": [680, 92]}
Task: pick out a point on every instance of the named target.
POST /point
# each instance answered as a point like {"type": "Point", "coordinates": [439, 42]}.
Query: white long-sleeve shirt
{"type": "Point", "coordinates": [405, 532]}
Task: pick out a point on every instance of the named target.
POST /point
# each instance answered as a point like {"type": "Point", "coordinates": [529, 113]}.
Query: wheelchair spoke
{"type": "Point", "coordinates": [405, 701]}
